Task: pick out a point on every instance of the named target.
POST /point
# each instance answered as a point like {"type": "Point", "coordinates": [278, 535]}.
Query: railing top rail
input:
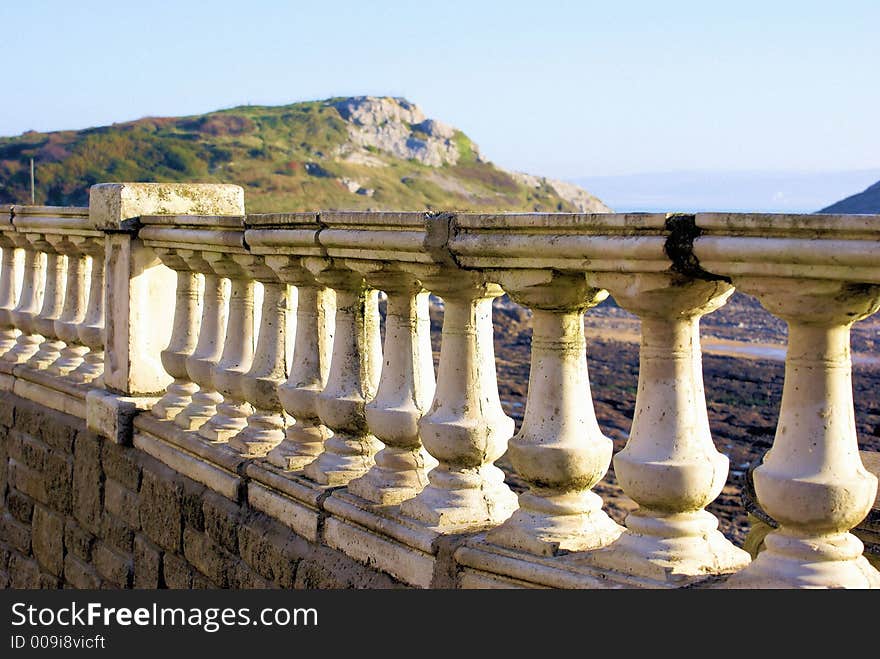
{"type": "Point", "coordinates": [281, 220]}
{"type": "Point", "coordinates": [563, 222]}
{"type": "Point", "coordinates": [209, 221]}
{"type": "Point", "coordinates": [50, 211]}
{"type": "Point", "coordinates": [53, 220]}
{"type": "Point", "coordinates": [818, 225]}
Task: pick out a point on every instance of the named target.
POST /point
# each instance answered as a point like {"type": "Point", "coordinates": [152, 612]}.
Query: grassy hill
{"type": "Point", "coordinates": [867, 201]}
{"type": "Point", "coordinates": [343, 153]}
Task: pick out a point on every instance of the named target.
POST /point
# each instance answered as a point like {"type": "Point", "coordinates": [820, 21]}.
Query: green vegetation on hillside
{"type": "Point", "coordinates": [287, 158]}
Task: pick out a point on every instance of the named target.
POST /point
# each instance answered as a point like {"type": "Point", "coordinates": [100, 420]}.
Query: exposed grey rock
{"type": "Point", "coordinates": [398, 127]}
{"type": "Point", "coordinates": [582, 200]}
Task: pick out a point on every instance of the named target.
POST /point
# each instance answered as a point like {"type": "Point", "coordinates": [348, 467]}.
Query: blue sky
{"type": "Point", "coordinates": [566, 89]}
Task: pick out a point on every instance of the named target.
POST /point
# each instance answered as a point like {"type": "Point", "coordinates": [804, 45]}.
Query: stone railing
{"type": "Point", "coordinates": [244, 352]}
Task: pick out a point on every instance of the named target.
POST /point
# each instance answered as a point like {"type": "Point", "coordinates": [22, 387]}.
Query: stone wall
{"type": "Point", "coordinates": [81, 511]}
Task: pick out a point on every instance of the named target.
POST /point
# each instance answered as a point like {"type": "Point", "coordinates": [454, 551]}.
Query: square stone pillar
{"type": "Point", "coordinates": [138, 302]}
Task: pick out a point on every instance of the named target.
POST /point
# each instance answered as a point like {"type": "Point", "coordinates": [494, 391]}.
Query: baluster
{"type": "Point", "coordinates": [812, 480]}
{"type": "Point", "coordinates": [406, 389]}
{"type": "Point", "coordinates": [74, 310]}
{"type": "Point", "coordinates": [91, 330]}
{"type": "Point", "coordinates": [184, 334]}
{"type": "Point", "coordinates": [304, 439]}
{"type": "Point", "coordinates": [465, 430]}
{"type": "Point", "coordinates": [200, 364]}
{"type": "Point", "coordinates": [352, 381]}
{"type": "Point", "coordinates": [560, 450]}
{"type": "Point", "coordinates": [29, 302]}
{"type": "Point", "coordinates": [53, 303]}
{"type": "Point", "coordinates": [238, 353]}
{"type": "Point", "coordinates": [8, 254]}
{"type": "Point", "coordinates": [265, 426]}
{"type": "Point", "coordinates": [670, 466]}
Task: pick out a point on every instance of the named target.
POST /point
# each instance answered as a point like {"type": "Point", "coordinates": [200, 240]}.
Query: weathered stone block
{"type": "Point", "coordinates": [120, 463]}
{"type": "Point", "coordinates": [242, 577]}
{"type": "Point", "coordinates": [88, 482]}
{"type": "Point", "coordinates": [59, 481]}
{"type": "Point", "coordinates": [55, 429]}
{"type": "Point", "coordinates": [111, 416]}
{"type": "Point", "coordinates": [20, 506]}
{"type": "Point", "coordinates": [160, 507]}
{"type": "Point", "coordinates": [48, 540]}
{"type": "Point", "coordinates": [80, 574]}
{"type": "Point", "coordinates": [27, 480]}
{"type": "Point", "coordinates": [222, 520]}
{"type": "Point", "coordinates": [176, 572]}
{"type": "Point", "coordinates": [18, 535]}
{"type": "Point", "coordinates": [201, 582]}
{"type": "Point", "coordinates": [27, 450]}
{"type": "Point", "coordinates": [23, 572]}
{"type": "Point", "coordinates": [7, 414]}
{"type": "Point", "coordinates": [4, 467]}
{"type": "Point", "coordinates": [77, 540]}
{"type": "Point", "coordinates": [331, 569]}
{"type": "Point", "coordinates": [4, 555]}
{"type": "Point", "coordinates": [207, 557]}
{"type": "Point", "coordinates": [147, 563]}
{"type": "Point", "coordinates": [48, 581]}
{"type": "Point", "coordinates": [59, 436]}
{"type": "Point", "coordinates": [113, 566]}
{"type": "Point", "coordinates": [191, 505]}
{"type": "Point", "coordinates": [272, 554]}
{"type": "Point", "coordinates": [121, 502]}
{"type": "Point", "coordinates": [117, 206]}
{"type": "Point", "coordinates": [117, 533]}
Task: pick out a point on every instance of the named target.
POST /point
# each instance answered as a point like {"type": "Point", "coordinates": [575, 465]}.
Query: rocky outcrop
{"type": "Point", "coordinates": [398, 127]}
{"type": "Point", "coordinates": [582, 200]}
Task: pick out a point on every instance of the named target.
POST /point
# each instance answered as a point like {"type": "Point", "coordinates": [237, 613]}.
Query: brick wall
{"type": "Point", "coordinates": [80, 511]}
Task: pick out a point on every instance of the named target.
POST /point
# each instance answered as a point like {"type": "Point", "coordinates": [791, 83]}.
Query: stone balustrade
{"type": "Point", "coordinates": [244, 351]}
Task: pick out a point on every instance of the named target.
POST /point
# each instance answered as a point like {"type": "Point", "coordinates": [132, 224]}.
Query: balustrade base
{"type": "Point", "coordinates": [111, 415]}
{"type": "Point", "coordinates": [544, 535]}
{"type": "Point", "coordinates": [7, 375]}
{"type": "Point", "coordinates": [794, 561]}
{"type": "Point", "coordinates": [490, 566]}
{"type": "Point", "coordinates": [288, 497]}
{"type": "Point", "coordinates": [215, 466]}
{"type": "Point", "coordinates": [49, 390]}
{"type": "Point", "coordinates": [699, 550]}
{"type": "Point", "coordinates": [378, 535]}
{"type": "Point", "coordinates": [483, 500]}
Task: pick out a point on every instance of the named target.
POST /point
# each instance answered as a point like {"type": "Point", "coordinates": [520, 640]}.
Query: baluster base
{"type": "Point", "coordinates": [557, 523]}
{"type": "Point", "coordinates": [71, 358]}
{"type": "Point", "coordinates": [263, 432]}
{"type": "Point", "coordinates": [464, 497]}
{"type": "Point", "coordinates": [230, 419]}
{"type": "Point", "coordinates": [301, 445]}
{"type": "Point", "coordinates": [26, 345]}
{"type": "Point", "coordinates": [46, 355]}
{"type": "Point", "coordinates": [90, 370]}
{"type": "Point", "coordinates": [177, 397]}
{"type": "Point", "coordinates": [345, 457]}
{"type": "Point", "coordinates": [398, 475]}
{"type": "Point", "coordinates": [201, 410]}
{"type": "Point", "coordinates": [671, 547]}
{"type": "Point", "coordinates": [791, 560]}
{"type": "Point", "coordinates": [7, 340]}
